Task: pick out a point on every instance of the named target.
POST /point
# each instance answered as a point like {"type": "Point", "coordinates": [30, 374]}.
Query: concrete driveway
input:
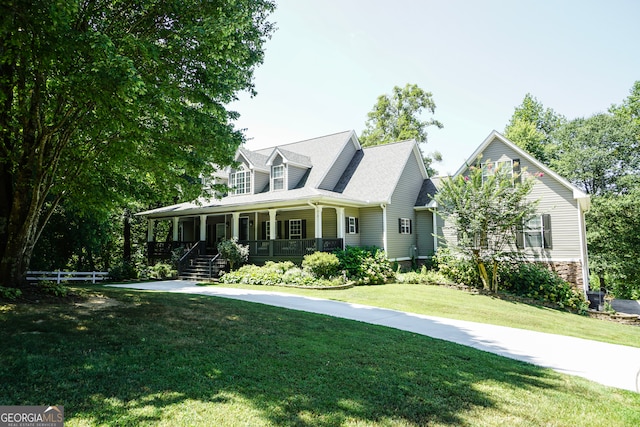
{"type": "Point", "coordinates": [629, 306]}
{"type": "Point", "coordinates": [620, 365]}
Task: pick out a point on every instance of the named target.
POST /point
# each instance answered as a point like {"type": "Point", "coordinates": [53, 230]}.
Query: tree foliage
{"type": "Point", "coordinates": [104, 102]}
{"type": "Point", "coordinates": [485, 209]}
{"type": "Point", "coordinates": [531, 127]}
{"type": "Point", "coordinates": [398, 117]}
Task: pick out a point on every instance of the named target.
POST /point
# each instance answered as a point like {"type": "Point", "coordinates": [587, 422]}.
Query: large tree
{"type": "Point", "coordinates": [102, 97]}
{"type": "Point", "coordinates": [399, 117]}
{"type": "Point", "coordinates": [485, 209]}
{"type": "Point", "coordinates": [531, 127]}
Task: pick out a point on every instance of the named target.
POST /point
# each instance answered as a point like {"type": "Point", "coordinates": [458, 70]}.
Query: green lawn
{"type": "Point", "coordinates": [462, 305]}
{"type": "Point", "coordinates": [144, 358]}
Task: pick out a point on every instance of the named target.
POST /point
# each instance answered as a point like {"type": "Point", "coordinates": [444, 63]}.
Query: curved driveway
{"type": "Point", "coordinates": [608, 364]}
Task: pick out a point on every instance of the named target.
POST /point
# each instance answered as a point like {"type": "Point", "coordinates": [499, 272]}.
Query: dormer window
{"type": "Point", "coordinates": [240, 182]}
{"type": "Point", "coordinates": [277, 177]}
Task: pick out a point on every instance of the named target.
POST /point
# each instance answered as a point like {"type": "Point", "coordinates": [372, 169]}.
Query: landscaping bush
{"type": "Point", "coordinates": [122, 271]}
{"type": "Point", "coordinates": [424, 277]}
{"type": "Point", "coordinates": [322, 265]}
{"type": "Point", "coordinates": [233, 252]}
{"type": "Point", "coordinates": [9, 293]}
{"type": "Point", "coordinates": [457, 269]}
{"type": "Point", "coordinates": [536, 281]}
{"type": "Point", "coordinates": [163, 271]}
{"type": "Point", "coordinates": [268, 275]}
{"type": "Point", "coordinates": [365, 266]}
{"type": "Point", "coordinates": [53, 288]}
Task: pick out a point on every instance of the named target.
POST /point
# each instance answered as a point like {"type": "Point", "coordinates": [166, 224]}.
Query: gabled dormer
{"type": "Point", "coordinates": [287, 169]}
{"type": "Point", "coordinates": [251, 175]}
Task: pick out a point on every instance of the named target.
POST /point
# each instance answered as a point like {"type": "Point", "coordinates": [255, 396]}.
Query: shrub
{"type": "Point", "coordinates": [425, 277]}
{"type": "Point", "coordinates": [53, 288]}
{"type": "Point", "coordinates": [233, 252]}
{"type": "Point", "coordinates": [535, 281]}
{"type": "Point", "coordinates": [365, 266]}
{"type": "Point", "coordinates": [163, 271]}
{"type": "Point", "coordinates": [268, 275]}
{"type": "Point", "coordinates": [9, 293]}
{"type": "Point", "coordinates": [457, 269]}
{"type": "Point", "coordinates": [122, 271]}
{"type": "Point", "coordinates": [322, 265]}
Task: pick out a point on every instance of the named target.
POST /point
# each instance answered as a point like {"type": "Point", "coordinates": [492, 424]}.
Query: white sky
{"type": "Point", "coordinates": [329, 60]}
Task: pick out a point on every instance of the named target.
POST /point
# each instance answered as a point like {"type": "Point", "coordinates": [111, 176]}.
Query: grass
{"type": "Point", "coordinates": [142, 358]}
{"type": "Point", "coordinates": [455, 304]}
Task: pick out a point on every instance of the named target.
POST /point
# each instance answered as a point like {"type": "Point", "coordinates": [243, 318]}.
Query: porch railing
{"type": "Point", "coordinates": [162, 250]}
{"type": "Point", "coordinates": [290, 247]}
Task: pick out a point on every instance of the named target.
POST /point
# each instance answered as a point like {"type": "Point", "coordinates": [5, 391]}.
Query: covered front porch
{"type": "Point", "coordinates": [271, 234]}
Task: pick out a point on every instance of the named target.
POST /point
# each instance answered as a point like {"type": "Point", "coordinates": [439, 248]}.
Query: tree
{"type": "Point", "coordinates": [599, 154]}
{"type": "Point", "coordinates": [486, 209]}
{"type": "Point", "coordinates": [103, 98]}
{"type": "Point", "coordinates": [531, 127]}
{"type": "Point", "coordinates": [397, 117]}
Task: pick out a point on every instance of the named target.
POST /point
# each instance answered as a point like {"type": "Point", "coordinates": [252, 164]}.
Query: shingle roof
{"type": "Point", "coordinates": [376, 175]}
{"type": "Point", "coordinates": [257, 160]}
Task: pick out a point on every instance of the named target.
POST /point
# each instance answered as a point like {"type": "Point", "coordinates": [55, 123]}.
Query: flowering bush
{"type": "Point", "coordinates": [365, 266]}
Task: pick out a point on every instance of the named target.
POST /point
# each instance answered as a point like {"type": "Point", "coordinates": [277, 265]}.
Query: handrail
{"type": "Point", "coordinates": [187, 256]}
{"type": "Point", "coordinates": [211, 264]}
{"type": "Point", "coordinates": [189, 252]}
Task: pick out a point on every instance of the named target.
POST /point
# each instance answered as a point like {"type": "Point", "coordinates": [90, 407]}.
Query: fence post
{"type": "Point", "coordinates": [59, 276]}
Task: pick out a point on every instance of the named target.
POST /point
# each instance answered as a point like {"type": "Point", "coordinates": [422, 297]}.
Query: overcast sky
{"type": "Point", "coordinates": [329, 60]}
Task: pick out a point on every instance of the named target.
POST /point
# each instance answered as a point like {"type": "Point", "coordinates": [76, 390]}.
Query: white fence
{"type": "Point", "coordinates": [64, 276]}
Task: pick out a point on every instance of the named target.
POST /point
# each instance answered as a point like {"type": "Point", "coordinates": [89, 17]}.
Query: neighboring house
{"type": "Point", "coordinates": [329, 192]}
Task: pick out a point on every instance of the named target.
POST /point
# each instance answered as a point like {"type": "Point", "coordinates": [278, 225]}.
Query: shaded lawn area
{"type": "Point", "coordinates": [140, 358]}
{"type": "Point", "coordinates": [462, 305]}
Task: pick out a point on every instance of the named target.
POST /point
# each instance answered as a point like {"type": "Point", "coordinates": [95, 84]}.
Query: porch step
{"type": "Point", "coordinates": [198, 269]}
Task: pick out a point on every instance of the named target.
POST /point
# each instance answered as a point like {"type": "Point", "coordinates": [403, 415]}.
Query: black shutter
{"type": "Point", "coordinates": [263, 230]}
{"type": "Point", "coordinates": [410, 226]}
{"type": "Point", "coordinates": [357, 229]}
{"type": "Point", "coordinates": [400, 225]}
{"type": "Point", "coordinates": [304, 228]}
{"type": "Point", "coordinates": [546, 231]}
{"type": "Point", "coordinates": [286, 229]}
{"type": "Point", "coordinates": [279, 230]}
{"type": "Point", "coordinates": [516, 171]}
{"type": "Point", "coordinates": [520, 237]}
{"type": "Point", "coordinates": [346, 225]}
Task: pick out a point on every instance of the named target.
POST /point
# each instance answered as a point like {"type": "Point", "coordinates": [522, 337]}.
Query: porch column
{"type": "Point", "coordinates": [150, 224]}
{"type": "Point", "coordinates": [203, 228]}
{"type": "Point", "coordinates": [175, 229]}
{"type": "Point", "coordinates": [318, 221]}
{"type": "Point", "coordinates": [272, 224]}
{"type": "Point", "coordinates": [235, 224]}
{"type": "Point", "coordinates": [340, 223]}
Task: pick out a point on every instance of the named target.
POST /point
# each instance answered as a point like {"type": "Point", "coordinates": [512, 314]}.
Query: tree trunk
{"type": "Point", "coordinates": [482, 270]}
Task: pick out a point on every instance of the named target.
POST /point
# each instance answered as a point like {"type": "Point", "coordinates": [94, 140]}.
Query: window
{"type": "Point", "coordinates": [295, 229]}
{"type": "Point", "coordinates": [277, 177]}
{"type": "Point", "coordinates": [267, 229]}
{"type": "Point", "coordinates": [352, 225]}
{"type": "Point", "coordinates": [404, 225]}
{"type": "Point", "coordinates": [510, 168]}
{"type": "Point", "coordinates": [240, 182]}
{"type": "Point", "coordinates": [536, 233]}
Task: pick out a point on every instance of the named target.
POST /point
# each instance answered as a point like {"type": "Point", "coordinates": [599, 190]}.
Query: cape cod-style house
{"type": "Point", "coordinates": [329, 192]}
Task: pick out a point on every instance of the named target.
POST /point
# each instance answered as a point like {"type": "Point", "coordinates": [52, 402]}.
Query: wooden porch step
{"type": "Point", "coordinates": [198, 269]}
